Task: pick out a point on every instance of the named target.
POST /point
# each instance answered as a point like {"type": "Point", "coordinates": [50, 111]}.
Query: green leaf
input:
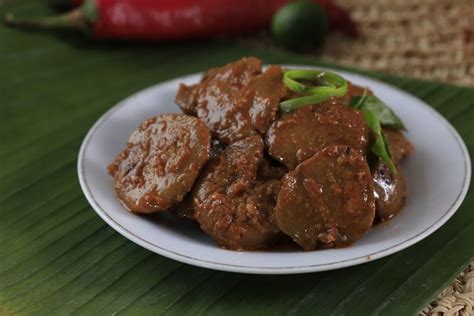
{"type": "Point", "coordinates": [357, 101]}
{"type": "Point", "coordinates": [387, 146]}
{"type": "Point", "coordinates": [386, 115]}
{"type": "Point", "coordinates": [380, 145]}
{"type": "Point", "coordinates": [58, 257]}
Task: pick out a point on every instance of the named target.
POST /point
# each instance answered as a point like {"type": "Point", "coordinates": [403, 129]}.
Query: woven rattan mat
{"type": "Point", "coordinates": [429, 39]}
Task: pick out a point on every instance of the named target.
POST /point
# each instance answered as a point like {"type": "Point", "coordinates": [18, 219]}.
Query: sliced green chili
{"type": "Point", "coordinates": [330, 85]}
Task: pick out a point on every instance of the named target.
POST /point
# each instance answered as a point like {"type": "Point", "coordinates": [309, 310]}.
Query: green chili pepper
{"type": "Point", "coordinates": [330, 85]}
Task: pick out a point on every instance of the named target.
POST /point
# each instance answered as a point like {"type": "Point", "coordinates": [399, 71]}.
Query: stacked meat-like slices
{"type": "Point", "coordinates": [250, 175]}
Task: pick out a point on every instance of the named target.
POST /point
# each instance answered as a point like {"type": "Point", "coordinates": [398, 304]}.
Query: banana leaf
{"type": "Point", "coordinates": [58, 257]}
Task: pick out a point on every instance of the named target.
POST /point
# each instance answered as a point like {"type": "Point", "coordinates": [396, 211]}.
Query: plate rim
{"type": "Point", "coordinates": [448, 213]}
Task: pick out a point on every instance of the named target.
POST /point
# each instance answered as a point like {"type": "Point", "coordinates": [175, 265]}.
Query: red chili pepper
{"type": "Point", "coordinates": [173, 19]}
{"type": "Point", "coordinates": [339, 18]}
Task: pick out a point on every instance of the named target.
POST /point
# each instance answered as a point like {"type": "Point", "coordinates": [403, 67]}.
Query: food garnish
{"type": "Point", "coordinates": [329, 85]}
{"type": "Point", "coordinates": [380, 146]}
{"type": "Point", "coordinates": [386, 116]}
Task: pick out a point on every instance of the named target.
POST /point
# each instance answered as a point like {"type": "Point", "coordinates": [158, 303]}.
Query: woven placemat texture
{"type": "Point", "coordinates": [429, 39]}
{"type": "Point", "coordinates": [457, 299]}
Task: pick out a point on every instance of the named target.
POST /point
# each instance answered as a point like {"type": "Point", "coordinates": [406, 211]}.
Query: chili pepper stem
{"type": "Point", "coordinates": [71, 20]}
{"type": "Point", "coordinates": [80, 19]}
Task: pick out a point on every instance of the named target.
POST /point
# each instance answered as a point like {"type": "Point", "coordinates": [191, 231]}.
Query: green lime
{"type": "Point", "coordinates": [300, 25]}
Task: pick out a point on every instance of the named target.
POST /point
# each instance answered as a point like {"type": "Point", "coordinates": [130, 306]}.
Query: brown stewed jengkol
{"type": "Point", "coordinates": [260, 155]}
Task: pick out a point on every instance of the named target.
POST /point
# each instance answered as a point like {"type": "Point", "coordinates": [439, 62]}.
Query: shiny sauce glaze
{"type": "Point", "coordinates": [253, 177]}
{"type": "Point", "coordinates": [161, 162]}
{"type": "Point", "coordinates": [235, 101]}
{"type": "Point", "coordinates": [296, 136]}
{"type": "Point", "coordinates": [327, 201]}
{"type": "Point", "coordinates": [231, 204]}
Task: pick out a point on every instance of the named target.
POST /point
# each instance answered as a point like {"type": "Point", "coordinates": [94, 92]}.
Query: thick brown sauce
{"type": "Point", "coordinates": [311, 183]}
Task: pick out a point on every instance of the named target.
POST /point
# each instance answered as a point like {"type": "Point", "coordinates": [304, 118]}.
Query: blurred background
{"type": "Point", "coordinates": [429, 39]}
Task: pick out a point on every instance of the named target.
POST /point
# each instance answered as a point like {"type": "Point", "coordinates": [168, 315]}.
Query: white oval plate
{"type": "Point", "coordinates": [438, 176]}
